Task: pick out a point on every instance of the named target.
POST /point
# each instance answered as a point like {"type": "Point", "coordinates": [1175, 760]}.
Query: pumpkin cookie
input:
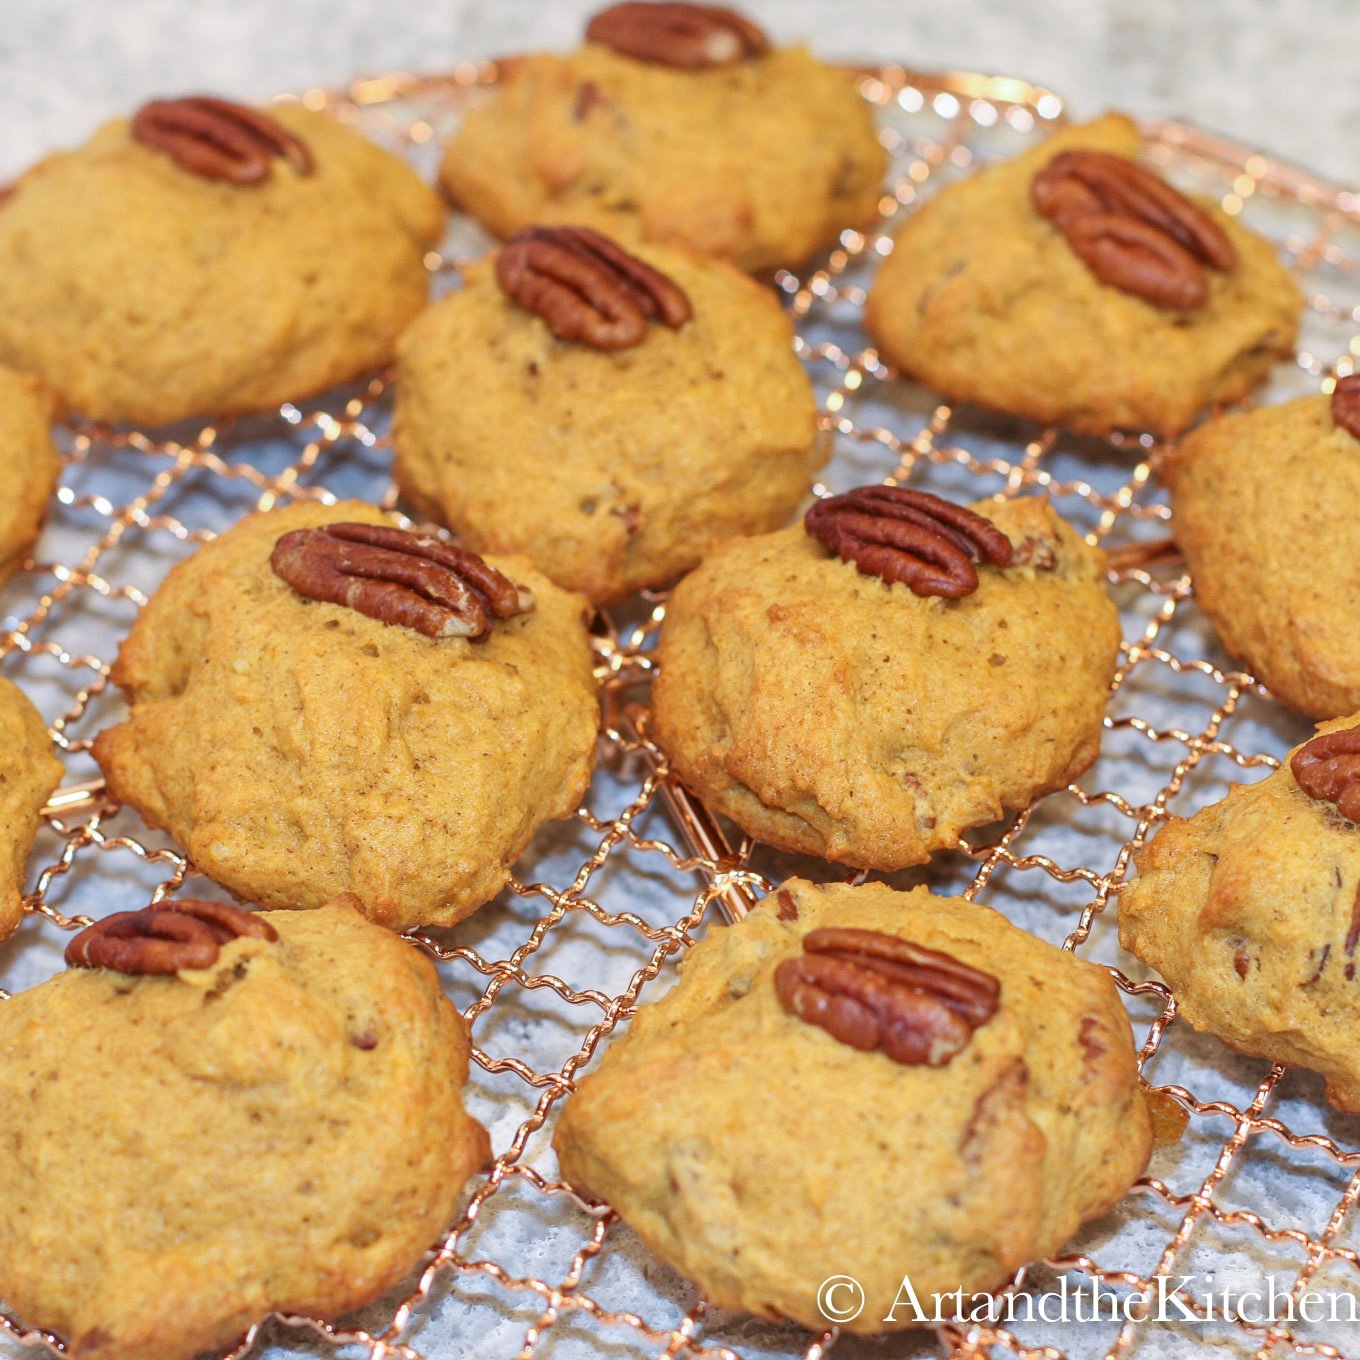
{"type": "Point", "coordinates": [1250, 910]}
{"type": "Point", "coordinates": [321, 704]}
{"type": "Point", "coordinates": [189, 1118]}
{"type": "Point", "coordinates": [31, 468]}
{"type": "Point", "coordinates": [872, 709]}
{"type": "Point", "coordinates": [685, 128]}
{"type": "Point", "coordinates": [241, 259]}
{"type": "Point", "coordinates": [28, 774]}
{"type": "Point", "coordinates": [609, 454]}
{"type": "Point", "coordinates": [856, 1081]}
{"type": "Point", "coordinates": [1071, 285]}
{"type": "Point", "coordinates": [1266, 508]}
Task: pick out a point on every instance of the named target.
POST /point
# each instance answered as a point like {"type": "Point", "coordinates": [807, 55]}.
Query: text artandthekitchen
{"type": "Point", "coordinates": [1175, 1298]}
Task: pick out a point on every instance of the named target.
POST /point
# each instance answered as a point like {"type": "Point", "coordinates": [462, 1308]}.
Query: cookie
{"type": "Point", "coordinates": [831, 712]}
{"type": "Point", "coordinates": [299, 748]}
{"type": "Point", "coordinates": [987, 300]}
{"type": "Point", "coordinates": [762, 160]}
{"type": "Point", "coordinates": [611, 468]}
{"type": "Point", "coordinates": [28, 774]}
{"type": "Point", "coordinates": [189, 1150]}
{"type": "Point", "coordinates": [978, 1107]}
{"type": "Point", "coordinates": [298, 279]}
{"type": "Point", "coordinates": [1249, 910]}
{"type": "Point", "coordinates": [31, 467]}
{"type": "Point", "coordinates": [1266, 508]}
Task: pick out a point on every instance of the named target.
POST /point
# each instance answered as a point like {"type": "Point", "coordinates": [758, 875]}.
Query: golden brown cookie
{"type": "Point", "coordinates": [1249, 911]}
{"type": "Point", "coordinates": [281, 1128]}
{"type": "Point", "coordinates": [200, 294]}
{"type": "Point", "coordinates": [30, 468]}
{"type": "Point", "coordinates": [828, 712]}
{"type": "Point", "coordinates": [611, 469]}
{"type": "Point", "coordinates": [1266, 508]}
{"type": "Point", "coordinates": [765, 1154]}
{"type": "Point", "coordinates": [28, 774]}
{"type": "Point", "coordinates": [299, 749]}
{"type": "Point", "coordinates": [763, 161]}
{"type": "Point", "coordinates": [984, 299]}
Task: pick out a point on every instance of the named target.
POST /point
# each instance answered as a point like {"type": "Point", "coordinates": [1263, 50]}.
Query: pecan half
{"type": "Point", "coordinates": [1346, 404]}
{"type": "Point", "coordinates": [1131, 229]}
{"type": "Point", "coordinates": [926, 543]}
{"type": "Point", "coordinates": [399, 577]}
{"type": "Point", "coordinates": [587, 287]}
{"type": "Point", "coordinates": [1328, 769]}
{"type": "Point", "coordinates": [187, 933]}
{"type": "Point", "coordinates": [688, 36]}
{"type": "Point", "coordinates": [217, 139]}
{"type": "Point", "coordinates": [876, 991]}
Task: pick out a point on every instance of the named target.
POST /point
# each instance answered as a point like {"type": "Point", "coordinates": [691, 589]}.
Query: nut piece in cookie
{"type": "Point", "coordinates": [871, 706]}
{"type": "Point", "coordinates": [678, 123]}
{"type": "Point", "coordinates": [192, 1149]}
{"type": "Point", "coordinates": [29, 471]}
{"type": "Point", "coordinates": [1266, 507]}
{"type": "Point", "coordinates": [1250, 910]}
{"type": "Point", "coordinates": [28, 774]}
{"type": "Point", "coordinates": [321, 703]}
{"type": "Point", "coordinates": [606, 412]}
{"type": "Point", "coordinates": [300, 243]}
{"type": "Point", "coordinates": [1073, 285]}
{"type": "Point", "coordinates": [791, 1135]}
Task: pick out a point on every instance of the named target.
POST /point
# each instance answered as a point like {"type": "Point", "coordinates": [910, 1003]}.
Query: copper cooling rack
{"type": "Point", "coordinates": [1264, 1180]}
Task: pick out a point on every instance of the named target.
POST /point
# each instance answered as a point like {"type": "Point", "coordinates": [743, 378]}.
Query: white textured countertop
{"type": "Point", "coordinates": [1281, 75]}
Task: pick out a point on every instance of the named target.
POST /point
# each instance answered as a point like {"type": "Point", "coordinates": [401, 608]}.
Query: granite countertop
{"type": "Point", "coordinates": [1280, 76]}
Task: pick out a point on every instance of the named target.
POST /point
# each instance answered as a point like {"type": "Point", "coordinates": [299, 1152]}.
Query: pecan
{"type": "Point", "coordinates": [588, 288]}
{"type": "Point", "coordinates": [399, 577]}
{"type": "Point", "coordinates": [872, 990]}
{"type": "Point", "coordinates": [926, 543]}
{"type": "Point", "coordinates": [1346, 404]}
{"type": "Point", "coordinates": [1131, 228]}
{"type": "Point", "coordinates": [187, 933]}
{"type": "Point", "coordinates": [1328, 769]}
{"type": "Point", "coordinates": [217, 139]}
{"type": "Point", "coordinates": [687, 36]}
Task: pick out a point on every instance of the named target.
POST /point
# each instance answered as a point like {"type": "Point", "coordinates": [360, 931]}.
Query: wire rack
{"type": "Point", "coordinates": [1262, 1182]}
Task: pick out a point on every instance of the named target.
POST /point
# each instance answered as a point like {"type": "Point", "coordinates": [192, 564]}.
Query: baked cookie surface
{"type": "Point", "coordinates": [187, 1152]}
{"type": "Point", "coordinates": [1248, 910]}
{"type": "Point", "coordinates": [200, 295]}
{"type": "Point", "coordinates": [1266, 508]}
{"type": "Point", "coordinates": [759, 1155]}
{"type": "Point", "coordinates": [612, 470]}
{"type": "Point", "coordinates": [763, 162]}
{"type": "Point", "coordinates": [299, 749]}
{"type": "Point", "coordinates": [827, 712]}
{"type": "Point", "coordinates": [984, 300]}
{"type": "Point", "coordinates": [30, 467]}
{"type": "Point", "coordinates": [28, 774]}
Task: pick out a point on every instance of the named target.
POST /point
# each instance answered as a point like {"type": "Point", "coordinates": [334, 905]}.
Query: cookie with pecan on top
{"type": "Point", "coordinates": [869, 685]}
{"type": "Point", "coordinates": [321, 703]}
{"type": "Point", "coordinates": [241, 258]}
{"type": "Point", "coordinates": [277, 1123]}
{"type": "Point", "coordinates": [678, 123]}
{"type": "Point", "coordinates": [605, 411]}
{"type": "Point", "coordinates": [856, 1081]}
{"type": "Point", "coordinates": [1250, 910]}
{"type": "Point", "coordinates": [1072, 285]}
{"type": "Point", "coordinates": [1264, 505]}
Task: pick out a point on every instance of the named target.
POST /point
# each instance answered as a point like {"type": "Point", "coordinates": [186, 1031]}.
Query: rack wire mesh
{"type": "Point", "coordinates": [1262, 1182]}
